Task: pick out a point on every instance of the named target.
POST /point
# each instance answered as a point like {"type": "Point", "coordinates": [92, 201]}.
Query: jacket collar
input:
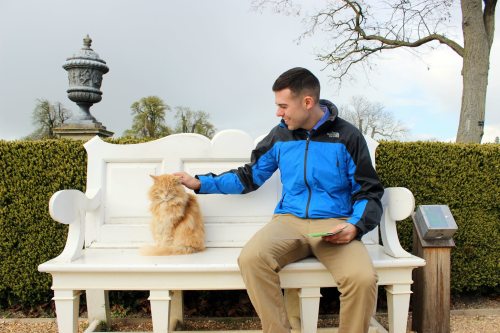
{"type": "Point", "coordinates": [332, 108]}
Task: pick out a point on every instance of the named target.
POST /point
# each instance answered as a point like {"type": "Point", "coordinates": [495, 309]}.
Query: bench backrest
{"type": "Point", "coordinates": [121, 172]}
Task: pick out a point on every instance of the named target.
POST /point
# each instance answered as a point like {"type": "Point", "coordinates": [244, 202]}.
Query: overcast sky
{"type": "Point", "coordinates": [218, 56]}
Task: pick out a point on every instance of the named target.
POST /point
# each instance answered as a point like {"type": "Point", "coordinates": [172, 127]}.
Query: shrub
{"type": "Point", "coordinates": [465, 177]}
{"type": "Point", "coordinates": [30, 172]}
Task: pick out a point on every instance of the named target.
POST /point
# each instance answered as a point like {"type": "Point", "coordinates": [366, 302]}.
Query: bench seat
{"type": "Point", "coordinates": [210, 260]}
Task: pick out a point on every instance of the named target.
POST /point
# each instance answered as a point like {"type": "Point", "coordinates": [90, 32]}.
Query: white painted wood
{"type": "Point", "coordinates": [160, 310]}
{"type": "Point", "coordinates": [371, 237]}
{"type": "Point", "coordinates": [259, 139]}
{"type": "Point", "coordinates": [176, 309]}
{"type": "Point", "coordinates": [68, 207]}
{"type": "Point", "coordinates": [93, 325]}
{"type": "Point", "coordinates": [164, 155]}
{"type": "Point", "coordinates": [65, 206]}
{"type": "Point", "coordinates": [67, 305]}
{"type": "Point", "coordinates": [376, 327]}
{"type": "Point", "coordinates": [93, 199]}
{"type": "Point", "coordinates": [212, 260]}
{"type": "Point", "coordinates": [127, 186]}
{"type": "Point", "coordinates": [309, 309]}
{"type": "Point", "coordinates": [232, 143]}
{"type": "Point", "coordinates": [398, 203]}
{"type": "Point", "coordinates": [111, 221]}
{"type": "Point", "coordinates": [372, 147]}
{"type": "Point", "coordinates": [398, 300]}
{"type": "Point", "coordinates": [98, 306]}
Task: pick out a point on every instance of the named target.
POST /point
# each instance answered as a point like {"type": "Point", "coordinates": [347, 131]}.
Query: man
{"type": "Point", "coordinates": [329, 184]}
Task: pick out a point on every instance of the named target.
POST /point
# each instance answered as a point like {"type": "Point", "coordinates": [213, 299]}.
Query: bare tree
{"type": "Point", "coordinates": [47, 116]}
{"type": "Point", "coordinates": [372, 119]}
{"type": "Point", "coordinates": [362, 29]}
{"type": "Point", "coordinates": [189, 121]}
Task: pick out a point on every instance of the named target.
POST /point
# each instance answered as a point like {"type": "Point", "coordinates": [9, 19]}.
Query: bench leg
{"type": "Point", "coordinates": [293, 307]}
{"type": "Point", "coordinates": [98, 306]}
{"type": "Point", "coordinates": [376, 298]}
{"type": "Point", "coordinates": [309, 309]}
{"type": "Point", "coordinates": [67, 307]}
{"type": "Point", "coordinates": [176, 310]}
{"type": "Point", "coordinates": [398, 302]}
{"type": "Point", "coordinates": [160, 309]}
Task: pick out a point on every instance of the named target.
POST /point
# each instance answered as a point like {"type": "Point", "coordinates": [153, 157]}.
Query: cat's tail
{"type": "Point", "coordinates": [167, 251]}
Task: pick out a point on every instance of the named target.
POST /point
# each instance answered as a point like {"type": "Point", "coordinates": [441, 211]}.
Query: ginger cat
{"type": "Point", "coordinates": [177, 223]}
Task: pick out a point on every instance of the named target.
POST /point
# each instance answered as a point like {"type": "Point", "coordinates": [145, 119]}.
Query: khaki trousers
{"type": "Point", "coordinates": [271, 248]}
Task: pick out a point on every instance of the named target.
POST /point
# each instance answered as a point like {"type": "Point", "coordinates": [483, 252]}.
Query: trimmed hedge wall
{"type": "Point", "coordinates": [30, 172]}
{"type": "Point", "coordinates": [465, 177]}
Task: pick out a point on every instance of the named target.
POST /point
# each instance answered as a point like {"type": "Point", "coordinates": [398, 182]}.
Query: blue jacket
{"type": "Point", "coordinates": [325, 174]}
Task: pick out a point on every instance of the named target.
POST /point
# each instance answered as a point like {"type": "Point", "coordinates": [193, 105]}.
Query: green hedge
{"type": "Point", "coordinates": [30, 172]}
{"type": "Point", "coordinates": [465, 177]}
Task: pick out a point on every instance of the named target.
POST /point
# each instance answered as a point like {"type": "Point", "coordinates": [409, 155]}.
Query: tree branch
{"type": "Point", "coordinates": [399, 43]}
{"type": "Point", "coordinates": [356, 37]}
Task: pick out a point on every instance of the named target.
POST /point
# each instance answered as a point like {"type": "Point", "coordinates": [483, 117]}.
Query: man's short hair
{"type": "Point", "coordinates": [300, 81]}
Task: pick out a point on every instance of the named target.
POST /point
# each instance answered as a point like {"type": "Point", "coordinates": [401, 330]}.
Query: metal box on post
{"type": "Point", "coordinates": [435, 222]}
{"type": "Point", "coordinates": [434, 227]}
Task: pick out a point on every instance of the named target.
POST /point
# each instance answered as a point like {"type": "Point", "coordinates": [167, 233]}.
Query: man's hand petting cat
{"type": "Point", "coordinates": [187, 180]}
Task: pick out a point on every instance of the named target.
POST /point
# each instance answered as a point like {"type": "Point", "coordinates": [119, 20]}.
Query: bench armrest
{"type": "Point", "coordinates": [70, 207]}
{"type": "Point", "coordinates": [398, 204]}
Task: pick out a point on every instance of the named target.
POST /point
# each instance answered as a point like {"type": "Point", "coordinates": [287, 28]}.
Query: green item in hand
{"type": "Point", "coordinates": [324, 234]}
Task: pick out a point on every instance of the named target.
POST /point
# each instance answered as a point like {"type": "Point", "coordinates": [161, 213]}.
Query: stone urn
{"type": "Point", "coordinates": [85, 71]}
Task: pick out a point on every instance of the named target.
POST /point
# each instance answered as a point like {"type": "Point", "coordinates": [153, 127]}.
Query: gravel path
{"type": "Point", "coordinates": [460, 323]}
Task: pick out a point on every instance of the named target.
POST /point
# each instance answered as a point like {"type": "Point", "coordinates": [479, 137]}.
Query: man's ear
{"type": "Point", "coordinates": [308, 102]}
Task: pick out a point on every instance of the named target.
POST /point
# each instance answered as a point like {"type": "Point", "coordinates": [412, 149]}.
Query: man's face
{"type": "Point", "coordinates": [292, 109]}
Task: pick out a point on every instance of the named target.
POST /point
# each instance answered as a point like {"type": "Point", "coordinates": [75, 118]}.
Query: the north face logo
{"type": "Point", "coordinates": [333, 134]}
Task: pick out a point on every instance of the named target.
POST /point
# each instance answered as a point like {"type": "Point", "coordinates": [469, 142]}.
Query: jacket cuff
{"type": "Point", "coordinates": [198, 191]}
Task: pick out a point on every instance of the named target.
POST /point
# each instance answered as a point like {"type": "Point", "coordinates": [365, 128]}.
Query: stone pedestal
{"type": "Point", "coordinates": [82, 131]}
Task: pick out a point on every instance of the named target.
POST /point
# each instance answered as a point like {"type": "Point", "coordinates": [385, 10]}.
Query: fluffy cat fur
{"type": "Point", "coordinates": [177, 223]}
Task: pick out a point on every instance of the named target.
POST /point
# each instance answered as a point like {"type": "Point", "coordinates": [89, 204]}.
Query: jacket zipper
{"type": "Point", "coordinates": [305, 177]}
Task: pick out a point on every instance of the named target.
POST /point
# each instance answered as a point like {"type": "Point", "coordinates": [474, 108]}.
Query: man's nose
{"type": "Point", "coordinates": [280, 112]}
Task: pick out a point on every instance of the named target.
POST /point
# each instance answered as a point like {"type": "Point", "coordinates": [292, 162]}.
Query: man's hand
{"type": "Point", "coordinates": [188, 181]}
{"type": "Point", "coordinates": [348, 233]}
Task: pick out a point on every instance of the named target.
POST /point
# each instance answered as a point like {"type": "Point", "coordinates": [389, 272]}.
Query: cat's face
{"type": "Point", "coordinates": [165, 188]}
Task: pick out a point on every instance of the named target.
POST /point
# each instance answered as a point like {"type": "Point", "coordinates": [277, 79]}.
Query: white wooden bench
{"type": "Point", "coordinates": [110, 221]}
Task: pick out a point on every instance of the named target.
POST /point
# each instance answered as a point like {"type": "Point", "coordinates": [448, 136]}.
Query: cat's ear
{"type": "Point", "coordinates": [154, 177]}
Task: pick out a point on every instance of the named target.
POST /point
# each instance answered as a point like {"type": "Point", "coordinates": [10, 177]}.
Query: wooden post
{"type": "Point", "coordinates": [431, 298]}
